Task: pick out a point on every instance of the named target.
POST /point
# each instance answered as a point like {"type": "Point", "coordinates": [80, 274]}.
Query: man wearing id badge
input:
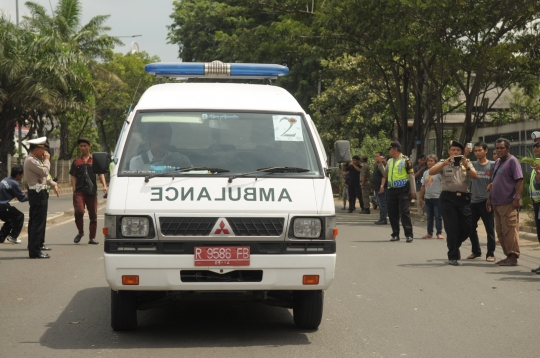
{"type": "Point", "coordinates": [36, 172]}
{"type": "Point", "coordinates": [401, 187]}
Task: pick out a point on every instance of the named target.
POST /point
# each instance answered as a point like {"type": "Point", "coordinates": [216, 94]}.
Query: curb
{"type": "Point", "coordinates": [66, 215]}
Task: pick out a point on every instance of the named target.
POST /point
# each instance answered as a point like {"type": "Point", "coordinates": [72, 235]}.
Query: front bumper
{"type": "Point", "coordinates": [162, 272]}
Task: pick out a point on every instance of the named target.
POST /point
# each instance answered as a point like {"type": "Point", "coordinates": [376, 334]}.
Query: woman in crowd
{"type": "Point", "coordinates": [429, 193]}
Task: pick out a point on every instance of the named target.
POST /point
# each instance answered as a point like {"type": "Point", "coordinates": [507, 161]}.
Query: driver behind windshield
{"type": "Point", "coordinates": [159, 137]}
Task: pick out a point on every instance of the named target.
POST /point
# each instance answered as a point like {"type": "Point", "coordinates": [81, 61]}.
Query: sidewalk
{"type": "Point", "coordinates": [59, 208]}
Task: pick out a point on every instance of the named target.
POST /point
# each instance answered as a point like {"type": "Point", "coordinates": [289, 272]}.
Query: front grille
{"type": "Point", "coordinates": [257, 226]}
{"type": "Point", "coordinates": [189, 226]}
{"type": "Point", "coordinates": [232, 276]}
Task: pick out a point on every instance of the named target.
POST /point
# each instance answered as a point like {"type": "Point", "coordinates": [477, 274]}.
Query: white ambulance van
{"type": "Point", "coordinates": [219, 192]}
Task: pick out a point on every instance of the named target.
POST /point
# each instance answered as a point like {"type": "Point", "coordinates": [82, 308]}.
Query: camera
{"type": "Point", "coordinates": [457, 160]}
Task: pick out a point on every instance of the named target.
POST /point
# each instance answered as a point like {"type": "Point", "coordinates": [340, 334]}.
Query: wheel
{"type": "Point", "coordinates": [123, 310]}
{"type": "Point", "coordinates": [308, 309]}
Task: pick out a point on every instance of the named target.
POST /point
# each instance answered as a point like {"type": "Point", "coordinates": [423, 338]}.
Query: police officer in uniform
{"type": "Point", "coordinates": [455, 198]}
{"type": "Point", "coordinates": [401, 187]}
{"type": "Point", "coordinates": [36, 172]}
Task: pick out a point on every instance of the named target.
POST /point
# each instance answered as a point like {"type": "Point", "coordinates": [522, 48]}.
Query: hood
{"type": "Point", "coordinates": [216, 195]}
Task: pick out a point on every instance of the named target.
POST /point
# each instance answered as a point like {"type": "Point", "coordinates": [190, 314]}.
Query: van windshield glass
{"type": "Point", "coordinates": [159, 142]}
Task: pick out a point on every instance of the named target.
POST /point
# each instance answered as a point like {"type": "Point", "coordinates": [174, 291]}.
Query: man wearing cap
{"type": "Point", "coordinates": [353, 183]}
{"type": "Point", "coordinates": [455, 198]}
{"type": "Point", "coordinates": [83, 182]}
{"type": "Point", "coordinates": [401, 186]}
{"type": "Point", "coordinates": [507, 184]}
{"type": "Point", "coordinates": [36, 172]}
{"type": "Point", "coordinates": [365, 184]}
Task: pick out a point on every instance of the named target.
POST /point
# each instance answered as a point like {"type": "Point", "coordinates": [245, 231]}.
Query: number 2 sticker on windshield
{"type": "Point", "coordinates": [288, 128]}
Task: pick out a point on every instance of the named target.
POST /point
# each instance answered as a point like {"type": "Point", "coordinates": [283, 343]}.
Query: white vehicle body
{"type": "Point", "coordinates": [225, 206]}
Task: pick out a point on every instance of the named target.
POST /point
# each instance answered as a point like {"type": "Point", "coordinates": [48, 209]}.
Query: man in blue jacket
{"type": "Point", "coordinates": [13, 219]}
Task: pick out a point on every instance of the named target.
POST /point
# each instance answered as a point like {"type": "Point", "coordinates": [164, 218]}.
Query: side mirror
{"type": "Point", "coordinates": [343, 151]}
{"type": "Point", "coordinates": [100, 162]}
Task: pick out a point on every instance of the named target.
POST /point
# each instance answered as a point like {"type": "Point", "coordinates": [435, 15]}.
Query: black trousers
{"type": "Point", "coordinates": [478, 210]}
{"type": "Point", "coordinates": [13, 221]}
{"type": "Point", "coordinates": [536, 208]}
{"type": "Point", "coordinates": [456, 213]}
{"type": "Point", "coordinates": [398, 204]}
{"type": "Point", "coordinates": [37, 221]}
{"type": "Point", "coordinates": [354, 193]}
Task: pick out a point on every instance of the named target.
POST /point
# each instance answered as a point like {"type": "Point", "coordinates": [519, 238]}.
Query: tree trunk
{"type": "Point", "coordinates": [103, 136]}
{"type": "Point", "coordinates": [64, 140]}
{"type": "Point", "coordinates": [7, 143]}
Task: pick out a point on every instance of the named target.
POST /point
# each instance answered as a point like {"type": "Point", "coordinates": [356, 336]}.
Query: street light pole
{"type": "Point", "coordinates": [19, 121]}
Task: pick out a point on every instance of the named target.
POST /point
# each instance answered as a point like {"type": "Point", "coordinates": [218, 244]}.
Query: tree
{"type": "Point", "coordinates": [114, 97]}
{"type": "Point", "coordinates": [76, 48]}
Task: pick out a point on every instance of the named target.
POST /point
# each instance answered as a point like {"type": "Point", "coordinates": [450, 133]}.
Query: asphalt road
{"type": "Point", "coordinates": [388, 300]}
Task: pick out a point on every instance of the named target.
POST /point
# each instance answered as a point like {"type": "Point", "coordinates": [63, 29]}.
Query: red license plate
{"type": "Point", "coordinates": [222, 255]}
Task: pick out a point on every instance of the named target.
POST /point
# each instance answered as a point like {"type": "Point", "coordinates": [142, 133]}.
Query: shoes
{"type": "Point", "coordinates": [409, 239]}
{"type": "Point", "coordinates": [453, 263]}
{"type": "Point", "coordinates": [12, 240]}
{"type": "Point", "coordinates": [394, 238]}
{"type": "Point", "coordinates": [440, 237]}
{"type": "Point", "coordinates": [77, 239]}
{"type": "Point", "coordinates": [381, 222]}
{"type": "Point", "coordinates": [536, 270]}
{"type": "Point", "coordinates": [472, 256]}
{"type": "Point", "coordinates": [350, 211]}
{"type": "Point", "coordinates": [365, 211]}
{"type": "Point", "coordinates": [45, 248]}
{"type": "Point", "coordinates": [427, 236]}
{"type": "Point", "coordinates": [492, 259]}
{"type": "Point", "coordinates": [40, 256]}
{"type": "Point", "coordinates": [343, 208]}
{"type": "Point", "coordinates": [93, 242]}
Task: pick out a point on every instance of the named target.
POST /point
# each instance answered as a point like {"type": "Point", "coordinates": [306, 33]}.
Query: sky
{"type": "Point", "coordinates": [127, 18]}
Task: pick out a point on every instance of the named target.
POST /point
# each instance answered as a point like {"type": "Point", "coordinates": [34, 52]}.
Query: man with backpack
{"type": "Point", "coordinates": [83, 182]}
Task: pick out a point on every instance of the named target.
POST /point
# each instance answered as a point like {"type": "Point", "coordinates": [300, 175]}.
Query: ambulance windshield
{"type": "Point", "coordinates": [240, 142]}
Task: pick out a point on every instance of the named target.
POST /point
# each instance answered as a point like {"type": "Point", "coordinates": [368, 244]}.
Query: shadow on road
{"type": "Point", "coordinates": [85, 323]}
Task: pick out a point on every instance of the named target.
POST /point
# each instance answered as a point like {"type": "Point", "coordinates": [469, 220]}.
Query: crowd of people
{"type": "Point", "coordinates": [36, 171]}
{"type": "Point", "coordinates": [456, 192]}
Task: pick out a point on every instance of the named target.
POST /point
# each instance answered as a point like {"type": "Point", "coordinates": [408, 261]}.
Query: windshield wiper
{"type": "Point", "coordinates": [185, 169]}
{"type": "Point", "coordinates": [271, 170]}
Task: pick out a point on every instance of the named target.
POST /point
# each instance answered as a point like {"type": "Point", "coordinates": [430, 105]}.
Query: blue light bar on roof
{"type": "Point", "coordinates": [216, 69]}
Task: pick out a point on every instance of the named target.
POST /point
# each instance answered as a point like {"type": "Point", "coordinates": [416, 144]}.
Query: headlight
{"type": "Point", "coordinates": [309, 228]}
{"type": "Point", "coordinates": [135, 227]}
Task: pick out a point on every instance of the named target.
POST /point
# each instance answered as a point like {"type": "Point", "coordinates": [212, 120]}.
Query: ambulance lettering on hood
{"type": "Point", "coordinates": [227, 194]}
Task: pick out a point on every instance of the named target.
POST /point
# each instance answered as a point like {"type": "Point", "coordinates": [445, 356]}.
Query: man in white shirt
{"type": "Point", "coordinates": [159, 136]}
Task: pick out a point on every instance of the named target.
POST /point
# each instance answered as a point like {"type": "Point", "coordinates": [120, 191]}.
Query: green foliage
{"type": "Point", "coordinates": [524, 106]}
{"type": "Point", "coordinates": [372, 144]}
{"type": "Point", "coordinates": [122, 87]}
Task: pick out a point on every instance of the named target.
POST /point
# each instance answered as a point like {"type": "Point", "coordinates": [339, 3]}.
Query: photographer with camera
{"type": "Point", "coordinates": [455, 198]}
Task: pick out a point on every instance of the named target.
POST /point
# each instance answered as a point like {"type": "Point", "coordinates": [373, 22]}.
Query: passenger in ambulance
{"type": "Point", "coordinates": [159, 138]}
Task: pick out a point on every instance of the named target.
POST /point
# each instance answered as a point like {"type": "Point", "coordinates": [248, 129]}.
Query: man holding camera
{"type": "Point", "coordinates": [36, 172]}
{"type": "Point", "coordinates": [455, 198]}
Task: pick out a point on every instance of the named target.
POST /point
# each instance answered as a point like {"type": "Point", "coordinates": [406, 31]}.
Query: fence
{"type": "Point", "coordinates": [59, 168]}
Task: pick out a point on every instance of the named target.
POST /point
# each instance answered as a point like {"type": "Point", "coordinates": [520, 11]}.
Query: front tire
{"type": "Point", "coordinates": [123, 310]}
{"type": "Point", "coordinates": [308, 308]}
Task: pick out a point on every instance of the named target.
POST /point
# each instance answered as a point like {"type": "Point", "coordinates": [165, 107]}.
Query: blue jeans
{"type": "Point", "coordinates": [381, 199]}
{"type": "Point", "coordinates": [433, 209]}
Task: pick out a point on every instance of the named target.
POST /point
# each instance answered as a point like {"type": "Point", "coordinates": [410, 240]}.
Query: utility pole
{"type": "Point", "coordinates": [19, 121]}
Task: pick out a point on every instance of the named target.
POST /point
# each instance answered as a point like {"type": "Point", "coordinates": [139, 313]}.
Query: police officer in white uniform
{"type": "Point", "coordinates": [36, 172]}
{"type": "Point", "coordinates": [455, 198]}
